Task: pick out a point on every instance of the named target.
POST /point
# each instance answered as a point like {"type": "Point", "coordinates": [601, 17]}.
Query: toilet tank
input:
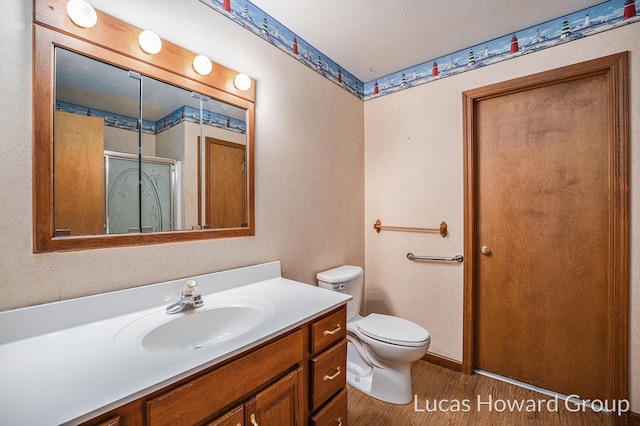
{"type": "Point", "coordinates": [346, 279]}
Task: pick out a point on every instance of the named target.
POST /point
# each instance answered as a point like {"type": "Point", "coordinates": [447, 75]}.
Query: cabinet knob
{"type": "Point", "coordinates": [339, 421]}
{"type": "Point", "coordinates": [253, 420]}
{"type": "Point", "coordinates": [485, 250]}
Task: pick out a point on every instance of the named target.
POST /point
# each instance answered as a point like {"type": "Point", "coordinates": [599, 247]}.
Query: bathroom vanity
{"type": "Point", "coordinates": [263, 350]}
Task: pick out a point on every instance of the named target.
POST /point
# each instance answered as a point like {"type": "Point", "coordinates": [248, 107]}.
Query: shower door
{"type": "Point", "coordinates": [138, 201]}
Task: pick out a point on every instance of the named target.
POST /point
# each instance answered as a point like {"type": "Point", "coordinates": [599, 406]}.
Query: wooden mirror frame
{"type": "Point", "coordinates": [116, 42]}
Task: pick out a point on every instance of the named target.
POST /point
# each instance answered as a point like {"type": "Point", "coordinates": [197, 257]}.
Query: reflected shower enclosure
{"type": "Point", "coordinates": [157, 177]}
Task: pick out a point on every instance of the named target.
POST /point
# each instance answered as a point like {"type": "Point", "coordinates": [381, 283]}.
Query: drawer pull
{"type": "Point", "coordinates": [339, 421]}
{"type": "Point", "coordinates": [328, 377]}
{"type": "Point", "coordinates": [334, 331]}
{"type": "Point", "coordinates": [253, 420]}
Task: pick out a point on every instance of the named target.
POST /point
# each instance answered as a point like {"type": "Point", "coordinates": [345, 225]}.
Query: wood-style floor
{"type": "Point", "coordinates": [433, 383]}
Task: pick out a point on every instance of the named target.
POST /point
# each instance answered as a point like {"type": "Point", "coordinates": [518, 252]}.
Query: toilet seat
{"type": "Point", "coordinates": [394, 330]}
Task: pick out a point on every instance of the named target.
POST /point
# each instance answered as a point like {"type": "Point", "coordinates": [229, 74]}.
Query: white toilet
{"type": "Point", "coordinates": [380, 348]}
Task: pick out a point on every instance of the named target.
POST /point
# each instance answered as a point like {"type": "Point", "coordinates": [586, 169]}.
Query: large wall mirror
{"type": "Point", "coordinates": [132, 148]}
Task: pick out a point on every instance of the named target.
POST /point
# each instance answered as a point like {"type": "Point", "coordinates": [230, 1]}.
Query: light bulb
{"type": "Point", "coordinates": [242, 82]}
{"type": "Point", "coordinates": [202, 64]}
{"type": "Point", "coordinates": [150, 42]}
{"type": "Point", "coordinates": [82, 13]}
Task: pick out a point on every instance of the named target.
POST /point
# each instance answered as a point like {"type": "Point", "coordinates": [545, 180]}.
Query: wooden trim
{"type": "Point", "coordinates": [53, 28]}
{"type": "Point", "coordinates": [468, 135]}
{"type": "Point", "coordinates": [250, 168]}
{"type": "Point", "coordinates": [615, 67]}
{"type": "Point", "coordinates": [443, 361]}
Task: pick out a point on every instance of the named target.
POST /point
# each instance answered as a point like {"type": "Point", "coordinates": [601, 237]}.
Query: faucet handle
{"type": "Point", "coordinates": [189, 286]}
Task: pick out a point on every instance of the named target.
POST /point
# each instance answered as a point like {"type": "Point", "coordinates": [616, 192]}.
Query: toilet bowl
{"type": "Point", "coordinates": [380, 348]}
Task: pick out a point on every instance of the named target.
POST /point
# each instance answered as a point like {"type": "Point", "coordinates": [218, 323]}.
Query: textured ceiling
{"type": "Point", "coordinates": [374, 38]}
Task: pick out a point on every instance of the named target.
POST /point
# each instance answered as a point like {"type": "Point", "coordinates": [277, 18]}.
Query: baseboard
{"type": "Point", "coordinates": [443, 361]}
{"type": "Point", "coordinates": [634, 419]}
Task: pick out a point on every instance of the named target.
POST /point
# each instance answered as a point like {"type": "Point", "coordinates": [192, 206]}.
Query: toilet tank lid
{"type": "Point", "coordinates": [340, 274]}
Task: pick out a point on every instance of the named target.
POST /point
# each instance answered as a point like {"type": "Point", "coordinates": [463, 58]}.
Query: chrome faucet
{"type": "Point", "coordinates": [188, 300]}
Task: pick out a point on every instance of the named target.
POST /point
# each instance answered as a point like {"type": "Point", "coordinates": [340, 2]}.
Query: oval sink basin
{"type": "Point", "coordinates": [219, 320]}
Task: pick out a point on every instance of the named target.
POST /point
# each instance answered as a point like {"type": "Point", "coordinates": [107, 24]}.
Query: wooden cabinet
{"type": "Point", "coordinates": [199, 398]}
{"type": "Point", "coordinates": [279, 404]}
{"type": "Point", "coordinates": [328, 370]}
{"type": "Point", "coordinates": [293, 380]}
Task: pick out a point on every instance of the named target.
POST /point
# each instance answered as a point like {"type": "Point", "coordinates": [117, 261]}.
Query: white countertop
{"type": "Point", "coordinates": [59, 363]}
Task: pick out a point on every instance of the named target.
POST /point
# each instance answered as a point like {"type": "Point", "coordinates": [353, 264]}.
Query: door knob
{"type": "Point", "coordinates": [485, 250]}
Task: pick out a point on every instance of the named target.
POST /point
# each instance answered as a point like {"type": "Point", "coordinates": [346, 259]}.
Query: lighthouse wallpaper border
{"type": "Point", "coordinates": [258, 22]}
{"type": "Point", "coordinates": [602, 17]}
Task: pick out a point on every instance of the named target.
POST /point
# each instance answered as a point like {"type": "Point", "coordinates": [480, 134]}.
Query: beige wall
{"type": "Point", "coordinates": [414, 177]}
{"type": "Point", "coordinates": [308, 164]}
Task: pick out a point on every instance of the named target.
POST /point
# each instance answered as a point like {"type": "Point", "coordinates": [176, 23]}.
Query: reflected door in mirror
{"type": "Point", "coordinates": [225, 171]}
{"type": "Point", "coordinates": [79, 174]}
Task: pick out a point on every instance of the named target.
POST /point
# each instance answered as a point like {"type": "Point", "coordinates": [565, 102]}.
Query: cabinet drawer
{"type": "Point", "coordinates": [233, 418]}
{"type": "Point", "coordinates": [328, 374]}
{"type": "Point", "coordinates": [334, 413]}
{"type": "Point", "coordinates": [200, 398]}
{"type": "Point", "coordinates": [114, 421]}
{"type": "Point", "coordinates": [328, 330]}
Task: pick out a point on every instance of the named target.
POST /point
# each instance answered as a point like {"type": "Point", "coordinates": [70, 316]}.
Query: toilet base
{"type": "Point", "coordinates": [389, 384]}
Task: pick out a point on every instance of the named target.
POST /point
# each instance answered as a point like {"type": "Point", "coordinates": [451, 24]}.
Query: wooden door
{"type": "Point", "coordinates": [546, 233]}
{"type": "Point", "coordinates": [226, 184]}
{"type": "Point", "coordinates": [78, 174]}
{"type": "Point", "coordinates": [278, 405]}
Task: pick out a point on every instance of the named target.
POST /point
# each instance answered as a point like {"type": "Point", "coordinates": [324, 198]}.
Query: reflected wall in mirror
{"type": "Point", "coordinates": [118, 158]}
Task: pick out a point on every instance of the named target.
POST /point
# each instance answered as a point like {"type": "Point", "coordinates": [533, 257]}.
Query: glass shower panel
{"type": "Point", "coordinates": [156, 196]}
{"type": "Point", "coordinates": [175, 114]}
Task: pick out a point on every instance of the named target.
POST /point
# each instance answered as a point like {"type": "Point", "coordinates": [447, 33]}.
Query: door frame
{"type": "Point", "coordinates": [615, 68]}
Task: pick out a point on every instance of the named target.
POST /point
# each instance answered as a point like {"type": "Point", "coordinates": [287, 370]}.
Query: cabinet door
{"type": "Point", "coordinates": [233, 418]}
{"type": "Point", "coordinates": [278, 405]}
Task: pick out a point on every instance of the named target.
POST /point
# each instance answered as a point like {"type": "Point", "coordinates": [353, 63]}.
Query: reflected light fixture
{"type": "Point", "coordinates": [202, 64]}
{"type": "Point", "coordinates": [82, 13]}
{"type": "Point", "coordinates": [149, 42]}
{"type": "Point", "coordinates": [242, 82]}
